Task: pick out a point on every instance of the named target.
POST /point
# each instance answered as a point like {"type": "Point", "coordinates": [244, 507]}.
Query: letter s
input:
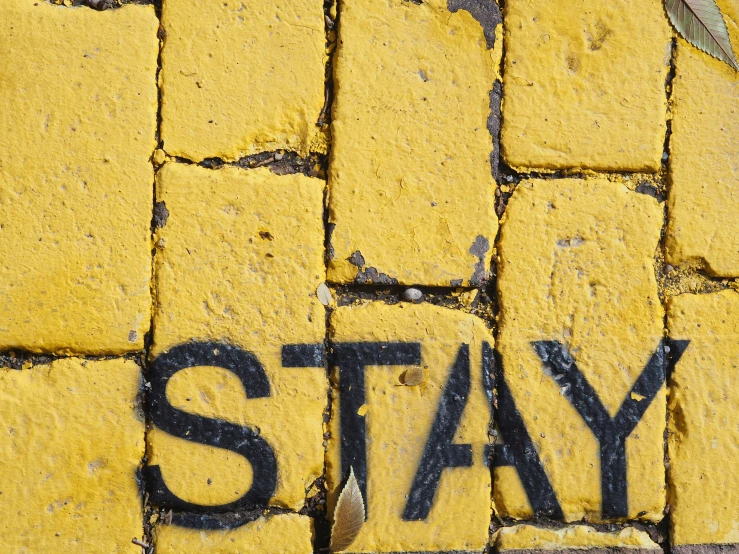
{"type": "Point", "coordinates": [212, 432]}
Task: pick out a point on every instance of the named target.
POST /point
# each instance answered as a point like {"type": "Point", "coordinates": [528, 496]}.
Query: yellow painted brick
{"type": "Point", "coordinates": [410, 182]}
{"type": "Point", "coordinates": [577, 268]}
{"type": "Point", "coordinates": [239, 78]}
{"type": "Point", "coordinates": [290, 420]}
{"type": "Point", "coordinates": [240, 260]}
{"type": "Point", "coordinates": [575, 537]}
{"type": "Point", "coordinates": [267, 535]}
{"type": "Point", "coordinates": [240, 257]}
{"type": "Point", "coordinates": [703, 439]}
{"type": "Point", "coordinates": [580, 89]}
{"type": "Point", "coordinates": [398, 423]}
{"type": "Point", "coordinates": [704, 193]}
{"type": "Point", "coordinates": [79, 99]}
{"type": "Point", "coordinates": [71, 445]}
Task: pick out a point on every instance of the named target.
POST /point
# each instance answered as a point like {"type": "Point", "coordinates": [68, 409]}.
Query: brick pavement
{"type": "Point", "coordinates": [482, 257]}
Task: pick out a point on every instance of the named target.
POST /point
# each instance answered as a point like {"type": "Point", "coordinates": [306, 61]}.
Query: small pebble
{"type": "Point", "coordinates": [412, 295]}
{"type": "Point", "coordinates": [159, 156]}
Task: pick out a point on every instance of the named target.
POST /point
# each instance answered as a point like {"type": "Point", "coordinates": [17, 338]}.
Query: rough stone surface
{"type": "Point", "coordinates": [576, 267]}
{"type": "Point", "coordinates": [705, 548]}
{"type": "Point", "coordinates": [176, 214]}
{"type": "Point", "coordinates": [241, 78]}
{"type": "Point", "coordinates": [410, 181]}
{"type": "Point", "coordinates": [579, 89]}
{"type": "Point", "coordinates": [704, 435]}
{"type": "Point", "coordinates": [277, 534]}
{"type": "Point", "coordinates": [70, 449]}
{"type": "Point", "coordinates": [398, 420]}
{"type": "Point", "coordinates": [704, 192]}
{"type": "Point", "coordinates": [573, 539]}
{"type": "Point", "coordinates": [79, 102]}
{"type": "Point", "coordinates": [240, 260]}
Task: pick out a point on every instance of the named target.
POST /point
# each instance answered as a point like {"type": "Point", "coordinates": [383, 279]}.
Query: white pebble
{"type": "Point", "coordinates": [412, 295]}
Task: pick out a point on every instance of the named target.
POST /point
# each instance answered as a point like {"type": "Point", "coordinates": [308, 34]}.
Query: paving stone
{"type": "Point", "coordinates": [419, 452]}
{"type": "Point", "coordinates": [80, 101]}
{"type": "Point", "coordinates": [267, 535]}
{"type": "Point", "coordinates": [411, 191]}
{"type": "Point", "coordinates": [704, 434]}
{"type": "Point", "coordinates": [579, 91]}
{"type": "Point", "coordinates": [63, 487]}
{"type": "Point", "coordinates": [238, 79]}
{"type": "Point", "coordinates": [580, 332]}
{"type": "Point", "coordinates": [704, 191]}
{"type": "Point", "coordinates": [240, 257]}
{"type": "Point", "coordinates": [239, 262]}
{"type": "Point", "coordinates": [574, 539]}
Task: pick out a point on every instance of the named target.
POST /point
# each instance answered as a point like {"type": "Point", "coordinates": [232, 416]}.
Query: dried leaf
{"type": "Point", "coordinates": [700, 23]}
{"type": "Point", "coordinates": [324, 294]}
{"type": "Point", "coordinates": [348, 515]}
{"type": "Point", "coordinates": [413, 376]}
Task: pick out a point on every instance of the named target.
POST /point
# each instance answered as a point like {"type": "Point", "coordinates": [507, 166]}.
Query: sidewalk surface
{"type": "Point", "coordinates": [483, 257]}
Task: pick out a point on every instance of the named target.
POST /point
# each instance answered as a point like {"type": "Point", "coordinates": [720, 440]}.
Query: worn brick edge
{"type": "Point", "coordinates": [705, 548]}
{"type": "Point", "coordinates": [581, 550]}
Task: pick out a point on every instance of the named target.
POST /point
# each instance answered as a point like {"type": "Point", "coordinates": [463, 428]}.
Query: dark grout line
{"type": "Point", "coordinates": [16, 358]}
{"type": "Point", "coordinates": [321, 519]}
{"type": "Point", "coordinates": [280, 162]}
{"type": "Point", "coordinates": [104, 5]}
{"type": "Point", "coordinates": [660, 272]}
{"type": "Point", "coordinates": [145, 400]}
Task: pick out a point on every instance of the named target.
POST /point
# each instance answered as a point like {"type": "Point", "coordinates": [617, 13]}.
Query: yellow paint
{"type": "Point", "coordinates": [703, 438]}
{"type": "Point", "coordinates": [584, 84]}
{"type": "Point", "coordinates": [276, 534]}
{"type": "Point", "coordinates": [219, 279]}
{"type": "Point", "coordinates": [410, 160]}
{"type": "Point", "coordinates": [79, 103]}
{"type": "Point", "coordinates": [576, 266]}
{"type": "Point", "coordinates": [240, 78]}
{"type": "Point", "coordinates": [398, 422]}
{"type": "Point", "coordinates": [70, 447]}
{"type": "Point", "coordinates": [529, 537]}
{"type": "Point", "coordinates": [240, 258]}
{"type": "Point", "coordinates": [704, 192]}
{"type": "Point", "coordinates": [290, 420]}
{"type": "Point", "coordinates": [159, 157]}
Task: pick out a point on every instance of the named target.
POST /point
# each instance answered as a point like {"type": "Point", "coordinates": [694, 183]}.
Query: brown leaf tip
{"type": "Point", "coordinates": [348, 515]}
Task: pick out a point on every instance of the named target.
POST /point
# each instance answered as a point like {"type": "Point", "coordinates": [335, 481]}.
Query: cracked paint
{"type": "Point", "coordinates": [410, 136]}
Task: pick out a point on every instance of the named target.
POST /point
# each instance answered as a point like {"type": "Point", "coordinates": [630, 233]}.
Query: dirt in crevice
{"type": "Point", "coordinates": [159, 216]}
{"type": "Point", "coordinates": [102, 5]}
{"type": "Point", "coordinates": [474, 301]}
{"type": "Point", "coordinates": [280, 162]}
{"type": "Point", "coordinates": [316, 506]}
{"type": "Point", "coordinates": [659, 270]}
